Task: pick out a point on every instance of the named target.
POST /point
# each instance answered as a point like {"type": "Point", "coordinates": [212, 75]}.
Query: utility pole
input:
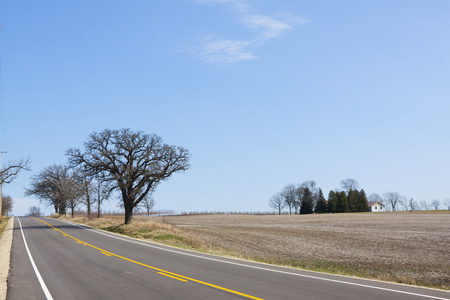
{"type": "Point", "coordinates": [1, 183]}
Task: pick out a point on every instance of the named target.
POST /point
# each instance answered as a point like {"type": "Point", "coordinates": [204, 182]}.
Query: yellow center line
{"type": "Point", "coordinates": [160, 271]}
{"type": "Point", "coordinates": [172, 276]}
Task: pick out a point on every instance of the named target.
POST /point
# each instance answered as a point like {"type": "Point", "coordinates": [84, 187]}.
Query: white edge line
{"type": "Point", "coordinates": [255, 267]}
{"type": "Point", "coordinates": [38, 275]}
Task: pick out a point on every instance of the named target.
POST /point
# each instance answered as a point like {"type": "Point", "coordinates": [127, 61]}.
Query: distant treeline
{"type": "Point", "coordinates": [307, 198]}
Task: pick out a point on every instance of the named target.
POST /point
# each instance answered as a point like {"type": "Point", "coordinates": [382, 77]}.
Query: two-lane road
{"type": "Point", "coordinates": [52, 259]}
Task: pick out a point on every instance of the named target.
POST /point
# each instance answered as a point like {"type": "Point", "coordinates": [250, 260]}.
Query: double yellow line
{"type": "Point", "coordinates": [160, 271]}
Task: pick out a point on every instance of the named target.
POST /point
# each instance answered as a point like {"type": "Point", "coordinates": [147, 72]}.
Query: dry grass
{"type": "Point", "coordinates": [3, 224]}
{"type": "Point", "coordinates": [411, 248]}
{"type": "Point", "coordinates": [143, 228]}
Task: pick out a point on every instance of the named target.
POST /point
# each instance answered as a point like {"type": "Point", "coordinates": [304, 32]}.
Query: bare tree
{"type": "Point", "coordinates": [349, 184]}
{"type": "Point", "coordinates": [412, 204]}
{"type": "Point", "coordinates": [313, 188]}
{"type": "Point", "coordinates": [393, 198]}
{"type": "Point", "coordinates": [310, 184]}
{"type": "Point", "coordinates": [436, 203]}
{"type": "Point", "coordinates": [447, 203]}
{"type": "Point", "coordinates": [424, 205]}
{"type": "Point", "coordinates": [71, 191]}
{"type": "Point", "coordinates": [277, 202]}
{"type": "Point", "coordinates": [34, 211]}
{"type": "Point", "coordinates": [10, 172]}
{"type": "Point", "coordinates": [134, 162]}
{"type": "Point", "coordinates": [375, 198]}
{"type": "Point", "coordinates": [298, 199]}
{"type": "Point", "coordinates": [102, 191]}
{"type": "Point", "coordinates": [56, 186]}
{"type": "Point", "coordinates": [290, 197]}
{"type": "Point", "coordinates": [86, 188]}
{"type": "Point", "coordinates": [7, 204]}
{"type": "Point", "coordinates": [148, 203]}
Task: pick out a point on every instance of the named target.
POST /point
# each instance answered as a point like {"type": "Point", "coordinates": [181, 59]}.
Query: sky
{"type": "Point", "coordinates": [262, 93]}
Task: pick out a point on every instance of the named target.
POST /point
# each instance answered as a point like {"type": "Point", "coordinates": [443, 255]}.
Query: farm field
{"type": "Point", "coordinates": [404, 247]}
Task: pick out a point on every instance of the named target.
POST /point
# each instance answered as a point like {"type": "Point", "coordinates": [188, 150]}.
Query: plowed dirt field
{"type": "Point", "coordinates": [406, 247]}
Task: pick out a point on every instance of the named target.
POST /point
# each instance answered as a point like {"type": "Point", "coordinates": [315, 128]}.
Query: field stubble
{"type": "Point", "coordinates": [411, 248]}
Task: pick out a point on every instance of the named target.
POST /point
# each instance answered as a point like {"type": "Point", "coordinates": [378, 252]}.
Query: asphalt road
{"type": "Point", "coordinates": [76, 262]}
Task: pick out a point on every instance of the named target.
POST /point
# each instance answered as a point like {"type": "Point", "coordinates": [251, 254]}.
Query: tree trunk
{"type": "Point", "coordinates": [62, 208]}
{"type": "Point", "coordinates": [98, 209]}
{"type": "Point", "coordinates": [128, 211]}
{"type": "Point", "coordinates": [88, 204]}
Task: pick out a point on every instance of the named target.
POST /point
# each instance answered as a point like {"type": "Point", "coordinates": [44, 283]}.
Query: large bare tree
{"type": "Point", "coordinates": [134, 162]}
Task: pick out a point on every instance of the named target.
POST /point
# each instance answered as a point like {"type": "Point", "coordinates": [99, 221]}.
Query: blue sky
{"type": "Point", "coordinates": [262, 93]}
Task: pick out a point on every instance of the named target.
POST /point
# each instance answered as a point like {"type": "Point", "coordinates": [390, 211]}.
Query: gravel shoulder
{"type": "Point", "coordinates": [5, 254]}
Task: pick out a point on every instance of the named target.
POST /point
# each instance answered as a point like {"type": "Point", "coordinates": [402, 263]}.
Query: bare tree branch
{"type": "Point", "coordinates": [12, 170]}
{"type": "Point", "coordinates": [349, 184]}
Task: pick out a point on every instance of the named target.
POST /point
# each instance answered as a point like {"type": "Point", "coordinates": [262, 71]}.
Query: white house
{"type": "Point", "coordinates": [375, 206]}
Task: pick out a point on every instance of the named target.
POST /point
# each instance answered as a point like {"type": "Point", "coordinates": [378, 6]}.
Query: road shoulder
{"type": "Point", "coordinates": [5, 255]}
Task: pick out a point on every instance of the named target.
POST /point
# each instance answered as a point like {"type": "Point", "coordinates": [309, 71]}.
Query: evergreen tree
{"type": "Point", "coordinates": [332, 201]}
{"type": "Point", "coordinates": [307, 202]}
{"type": "Point", "coordinates": [363, 205]}
{"type": "Point", "coordinates": [321, 206]}
{"type": "Point", "coordinates": [342, 202]}
{"type": "Point", "coordinates": [353, 201]}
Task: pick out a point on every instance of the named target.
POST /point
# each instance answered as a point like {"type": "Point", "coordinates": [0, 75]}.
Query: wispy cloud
{"type": "Point", "coordinates": [270, 27]}
{"type": "Point", "coordinates": [265, 28]}
{"type": "Point", "coordinates": [221, 50]}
